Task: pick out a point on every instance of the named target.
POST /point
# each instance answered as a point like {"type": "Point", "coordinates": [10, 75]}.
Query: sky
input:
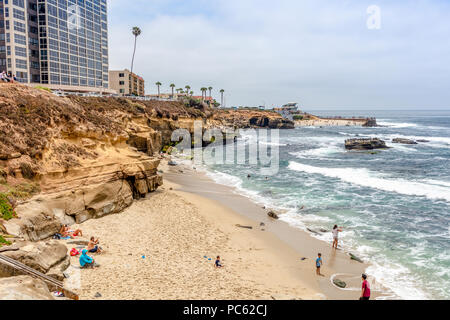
{"type": "Point", "coordinates": [327, 54]}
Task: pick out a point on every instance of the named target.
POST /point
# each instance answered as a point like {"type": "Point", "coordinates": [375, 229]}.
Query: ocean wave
{"type": "Point", "coordinates": [366, 178]}
{"type": "Point", "coordinates": [397, 124]}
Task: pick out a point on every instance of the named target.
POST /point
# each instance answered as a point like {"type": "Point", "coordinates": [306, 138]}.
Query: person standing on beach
{"type": "Point", "coordinates": [365, 292]}
{"type": "Point", "coordinates": [335, 232]}
{"type": "Point", "coordinates": [319, 263]}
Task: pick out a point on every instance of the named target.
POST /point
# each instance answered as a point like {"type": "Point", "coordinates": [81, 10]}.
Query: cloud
{"type": "Point", "coordinates": [319, 53]}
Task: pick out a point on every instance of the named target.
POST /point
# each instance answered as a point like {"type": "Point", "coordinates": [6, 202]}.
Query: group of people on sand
{"type": "Point", "coordinates": [93, 246]}
{"type": "Point", "coordinates": [87, 261]}
{"type": "Point", "coordinates": [7, 77]}
{"type": "Point", "coordinates": [365, 291]}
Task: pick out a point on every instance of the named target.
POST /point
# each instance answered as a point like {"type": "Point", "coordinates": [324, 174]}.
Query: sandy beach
{"type": "Point", "coordinates": [156, 249]}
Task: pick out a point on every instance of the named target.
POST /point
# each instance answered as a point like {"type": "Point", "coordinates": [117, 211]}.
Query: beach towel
{"type": "Point", "coordinates": [74, 252]}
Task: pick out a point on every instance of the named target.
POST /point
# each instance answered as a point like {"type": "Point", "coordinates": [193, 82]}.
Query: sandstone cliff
{"type": "Point", "coordinates": [69, 159]}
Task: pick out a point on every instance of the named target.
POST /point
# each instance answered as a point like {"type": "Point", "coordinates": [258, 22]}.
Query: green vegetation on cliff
{"type": "Point", "coordinates": [6, 210]}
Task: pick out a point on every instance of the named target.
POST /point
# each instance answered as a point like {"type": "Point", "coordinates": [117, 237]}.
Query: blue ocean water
{"type": "Point", "coordinates": [394, 205]}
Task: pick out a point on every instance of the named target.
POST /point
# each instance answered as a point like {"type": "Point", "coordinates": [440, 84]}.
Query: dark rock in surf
{"type": "Point", "coordinates": [403, 141]}
{"type": "Point", "coordinates": [339, 283]}
{"type": "Point", "coordinates": [273, 215]}
{"type": "Point", "coordinates": [365, 144]}
{"type": "Point", "coordinates": [353, 257]}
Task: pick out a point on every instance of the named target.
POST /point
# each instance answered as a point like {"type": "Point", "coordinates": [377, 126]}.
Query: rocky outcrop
{"type": "Point", "coordinates": [273, 215]}
{"type": "Point", "coordinates": [403, 141]}
{"type": "Point", "coordinates": [252, 119]}
{"type": "Point", "coordinates": [48, 257]}
{"type": "Point", "coordinates": [370, 122]}
{"type": "Point", "coordinates": [365, 144]}
{"type": "Point", "coordinates": [24, 288]}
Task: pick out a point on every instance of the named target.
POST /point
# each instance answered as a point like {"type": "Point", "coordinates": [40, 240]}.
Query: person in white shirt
{"type": "Point", "coordinates": [335, 232]}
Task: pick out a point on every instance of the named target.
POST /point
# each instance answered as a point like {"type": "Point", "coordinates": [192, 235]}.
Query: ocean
{"type": "Point", "coordinates": [394, 205]}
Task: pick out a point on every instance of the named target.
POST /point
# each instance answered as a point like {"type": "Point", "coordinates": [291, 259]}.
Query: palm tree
{"type": "Point", "coordinates": [136, 33]}
{"type": "Point", "coordinates": [191, 93]}
{"type": "Point", "coordinates": [204, 93]}
{"type": "Point", "coordinates": [158, 84]}
{"type": "Point", "coordinates": [187, 89]}
{"type": "Point", "coordinates": [210, 89]}
{"type": "Point", "coordinates": [172, 86]}
{"type": "Point", "coordinates": [221, 98]}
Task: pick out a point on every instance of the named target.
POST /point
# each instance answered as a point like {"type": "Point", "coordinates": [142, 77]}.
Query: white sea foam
{"type": "Point", "coordinates": [366, 178]}
{"type": "Point", "coordinates": [398, 124]}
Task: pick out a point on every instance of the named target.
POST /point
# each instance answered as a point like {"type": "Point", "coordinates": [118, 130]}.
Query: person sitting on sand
{"type": "Point", "coordinates": [319, 263]}
{"type": "Point", "coordinates": [218, 263]}
{"type": "Point", "coordinates": [335, 232]}
{"type": "Point", "coordinates": [93, 246]}
{"type": "Point", "coordinates": [86, 261]}
{"type": "Point", "coordinates": [365, 292]}
{"type": "Point", "coordinates": [66, 232]}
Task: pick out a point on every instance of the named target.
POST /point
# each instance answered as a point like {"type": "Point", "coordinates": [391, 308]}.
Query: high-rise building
{"type": "Point", "coordinates": [62, 44]}
{"type": "Point", "coordinates": [125, 83]}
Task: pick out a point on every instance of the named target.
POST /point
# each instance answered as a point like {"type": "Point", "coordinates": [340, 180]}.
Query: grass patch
{"type": "Point", "coordinates": [3, 241]}
{"type": "Point", "coordinates": [43, 88]}
{"type": "Point", "coordinates": [6, 210]}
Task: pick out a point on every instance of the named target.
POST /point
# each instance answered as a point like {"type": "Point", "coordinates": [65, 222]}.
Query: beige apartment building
{"type": "Point", "coordinates": [126, 83]}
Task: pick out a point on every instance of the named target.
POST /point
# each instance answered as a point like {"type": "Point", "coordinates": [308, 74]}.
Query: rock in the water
{"type": "Point", "coordinates": [24, 288]}
{"type": "Point", "coordinates": [423, 141]}
{"type": "Point", "coordinates": [365, 144]}
{"type": "Point", "coordinates": [172, 163]}
{"type": "Point", "coordinates": [353, 257]}
{"type": "Point", "coordinates": [403, 141]}
{"type": "Point", "coordinates": [273, 215]}
{"type": "Point", "coordinates": [339, 283]}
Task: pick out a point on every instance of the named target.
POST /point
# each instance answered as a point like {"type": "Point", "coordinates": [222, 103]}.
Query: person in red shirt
{"type": "Point", "coordinates": [365, 292]}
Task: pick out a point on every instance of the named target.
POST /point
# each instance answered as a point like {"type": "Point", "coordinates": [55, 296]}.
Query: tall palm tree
{"type": "Point", "coordinates": [158, 84]}
{"type": "Point", "coordinates": [221, 98]}
{"type": "Point", "coordinates": [136, 33]}
{"type": "Point", "coordinates": [204, 93]}
{"type": "Point", "coordinates": [187, 89]}
{"type": "Point", "coordinates": [172, 86]}
{"type": "Point", "coordinates": [210, 89]}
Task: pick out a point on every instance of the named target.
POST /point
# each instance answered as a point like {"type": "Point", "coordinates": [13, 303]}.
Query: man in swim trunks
{"type": "Point", "coordinates": [93, 246]}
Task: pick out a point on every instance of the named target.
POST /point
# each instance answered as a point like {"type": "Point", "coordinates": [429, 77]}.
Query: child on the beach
{"type": "Point", "coordinates": [218, 263]}
{"type": "Point", "coordinates": [319, 263]}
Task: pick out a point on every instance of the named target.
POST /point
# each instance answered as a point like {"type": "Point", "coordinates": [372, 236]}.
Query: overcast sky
{"type": "Point", "coordinates": [318, 53]}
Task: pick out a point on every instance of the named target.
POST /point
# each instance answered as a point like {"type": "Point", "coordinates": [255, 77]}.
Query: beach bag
{"type": "Point", "coordinates": [57, 236]}
{"type": "Point", "coordinates": [74, 252]}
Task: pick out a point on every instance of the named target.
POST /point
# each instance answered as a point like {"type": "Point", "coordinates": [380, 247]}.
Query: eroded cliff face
{"type": "Point", "coordinates": [69, 159]}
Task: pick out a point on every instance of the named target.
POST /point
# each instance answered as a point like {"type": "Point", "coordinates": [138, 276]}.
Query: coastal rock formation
{"type": "Point", "coordinates": [365, 144]}
{"type": "Point", "coordinates": [48, 257]}
{"type": "Point", "coordinates": [252, 119]}
{"type": "Point", "coordinates": [403, 141]}
{"type": "Point", "coordinates": [24, 288]}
